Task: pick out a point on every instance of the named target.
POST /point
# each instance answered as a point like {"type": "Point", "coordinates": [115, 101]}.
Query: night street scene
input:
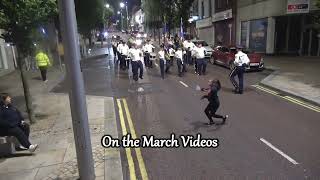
{"type": "Point", "coordinates": [159, 89]}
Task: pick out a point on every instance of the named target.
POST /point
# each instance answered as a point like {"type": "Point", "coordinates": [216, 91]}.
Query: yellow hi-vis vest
{"type": "Point", "coordinates": [42, 60]}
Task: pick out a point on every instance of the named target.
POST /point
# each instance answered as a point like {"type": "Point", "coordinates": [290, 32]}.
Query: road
{"type": "Point", "coordinates": [265, 137]}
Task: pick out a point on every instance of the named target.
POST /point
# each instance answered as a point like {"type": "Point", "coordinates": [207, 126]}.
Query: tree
{"type": "Point", "coordinates": [19, 19]}
{"type": "Point", "coordinates": [169, 12]}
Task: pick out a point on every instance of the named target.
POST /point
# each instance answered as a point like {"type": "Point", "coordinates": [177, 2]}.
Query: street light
{"type": "Point", "coordinates": [107, 5]}
{"type": "Point", "coordinates": [118, 12]}
{"type": "Point", "coordinates": [122, 5]}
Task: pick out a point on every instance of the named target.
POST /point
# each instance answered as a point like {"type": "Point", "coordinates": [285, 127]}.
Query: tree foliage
{"type": "Point", "coordinates": [169, 12]}
{"type": "Point", "coordinates": [19, 18]}
{"type": "Point", "coordinates": [91, 14]}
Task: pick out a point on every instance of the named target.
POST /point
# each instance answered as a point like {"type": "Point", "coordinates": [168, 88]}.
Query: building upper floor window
{"type": "Point", "coordinates": [202, 9]}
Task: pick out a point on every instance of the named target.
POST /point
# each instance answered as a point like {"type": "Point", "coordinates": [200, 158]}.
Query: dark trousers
{"type": "Point", "coordinates": [128, 63]}
{"type": "Point", "coordinates": [211, 110]}
{"type": "Point", "coordinates": [189, 58]}
{"type": "Point", "coordinates": [237, 71]}
{"type": "Point", "coordinates": [200, 66]}
{"type": "Point", "coordinates": [20, 132]}
{"type": "Point", "coordinates": [43, 71]}
{"type": "Point", "coordinates": [114, 51]}
{"type": "Point", "coordinates": [204, 66]}
{"type": "Point", "coordinates": [168, 64]}
{"type": "Point", "coordinates": [123, 61]}
{"type": "Point", "coordinates": [137, 66]}
{"type": "Point", "coordinates": [171, 60]}
{"type": "Point", "coordinates": [162, 66]}
{"type": "Point", "coordinates": [118, 57]}
{"type": "Point", "coordinates": [147, 60]}
{"type": "Point", "coordinates": [181, 67]}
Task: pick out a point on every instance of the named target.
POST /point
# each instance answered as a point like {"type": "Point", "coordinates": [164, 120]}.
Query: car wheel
{"type": "Point", "coordinates": [212, 60]}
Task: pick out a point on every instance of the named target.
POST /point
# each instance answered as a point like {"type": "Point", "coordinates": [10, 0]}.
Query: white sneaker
{"type": "Point", "coordinates": [22, 147]}
{"type": "Point", "coordinates": [33, 147]}
{"type": "Point", "coordinates": [46, 81]}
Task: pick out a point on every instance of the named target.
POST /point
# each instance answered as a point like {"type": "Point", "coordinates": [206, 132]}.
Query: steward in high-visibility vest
{"type": "Point", "coordinates": [42, 59]}
{"type": "Point", "coordinates": [43, 63]}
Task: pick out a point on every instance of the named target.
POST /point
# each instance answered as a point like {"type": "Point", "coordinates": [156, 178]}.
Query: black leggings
{"type": "Point", "coordinates": [211, 110]}
{"type": "Point", "coordinates": [20, 132]}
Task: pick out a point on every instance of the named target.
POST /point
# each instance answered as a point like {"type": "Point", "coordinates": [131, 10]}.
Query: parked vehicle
{"type": "Point", "coordinates": [225, 56]}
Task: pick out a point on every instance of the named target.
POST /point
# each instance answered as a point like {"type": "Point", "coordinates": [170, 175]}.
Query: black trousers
{"type": "Point", "coordinates": [43, 71]}
{"type": "Point", "coordinates": [181, 67]}
{"type": "Point", "coordinates": [237, 71]}
{"type": "Point", "coordinates": [168, 65]}
{"type": "Point", "coordinates": [147, 60]}
{"type": "Point", "coordinates": [137, 66]}
{"type": "Point", "coordinates": [114, 51]}
{"type": "Point", "coordinates": [199, 66]}
{"type": "Point", "coordinates": [20, 132]}
{"type": "Point", "coordinates": [123, 61]}
{"type": "Point", "coordinates": [171, 60]}
{"type": "Point", "coordinates": [162, 66]}
{"type": "Point", "coordinates": [211, 110]}
{"type": "Point", "coordinates": [189, 58]}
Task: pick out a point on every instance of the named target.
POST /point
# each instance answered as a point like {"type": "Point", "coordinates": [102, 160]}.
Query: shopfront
{"type": "Point", "coordinates": [205, 30]}
{"type": "Point", "coordinates": [224, 27]}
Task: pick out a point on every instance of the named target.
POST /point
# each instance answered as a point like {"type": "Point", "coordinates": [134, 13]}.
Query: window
{"type": "Point", "coordinates": [202, 10]}
{"type": "Point", "coordinates": [210, 8]}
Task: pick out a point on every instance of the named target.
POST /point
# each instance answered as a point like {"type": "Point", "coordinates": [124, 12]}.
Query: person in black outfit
{"type": "Point", "coordinates": [13, 124]}
{"type": "Point", "coordinates": [214, 103]}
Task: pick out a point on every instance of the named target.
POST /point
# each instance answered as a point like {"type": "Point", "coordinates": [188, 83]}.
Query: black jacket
{"type": "Point", "coordinates": [9, 117]}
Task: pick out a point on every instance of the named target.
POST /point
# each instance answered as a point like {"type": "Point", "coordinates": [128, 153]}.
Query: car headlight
{"type": "Point", "coordinates": [145, 35]}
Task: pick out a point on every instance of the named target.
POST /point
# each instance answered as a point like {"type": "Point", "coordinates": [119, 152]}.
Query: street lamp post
{"type": "Point", "coordinates": [121, 6]}
{"type": "Point", "coordinates": [77, 96]}
{"type": "Point", "coordinates": [127, 15]}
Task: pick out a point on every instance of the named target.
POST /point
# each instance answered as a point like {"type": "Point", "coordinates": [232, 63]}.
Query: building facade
{"type": "Point", "coordinates": [7, 57]}
{"type": "Point", "coordinates": [204, 26]}
{"type": "Point", "coordinates": [217, 21]}
{"type": "Point", "coordinates": [278, 26]}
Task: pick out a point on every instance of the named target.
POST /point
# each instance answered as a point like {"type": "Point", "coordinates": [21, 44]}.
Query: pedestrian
{"type": "Point", "coordinates": [124, 53]}
{"type": "Point", "coordinates": [119, 46]}
{"type": "Point", "coordinates": [43, 64]}
{"type": "Point", "coordinates": [214, 103]}
{"type": "Point", "coordinates": [199, 52]}
{"type": "Point", "coordinates": [162, 61]}
{"type": "Point", "coordinates": [188, 46]}
{"type": "Point", "coordinates": [181, 65]}
{"type": "Point", "coordinates": [12, 124]}
{"type": "Point", "coordinates": [136, 63]}
{"type": "Point", "coordinates": [148, 48]}
{"type": "Point", "coordinates": [114, 48]}
{"type": "Point", "coordinates": [171, 55]}
{"type": "Point", "coordinates": [241, 62]}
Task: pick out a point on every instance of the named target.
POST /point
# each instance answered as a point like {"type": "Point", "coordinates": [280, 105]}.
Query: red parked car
{"type": "Point", "coordinates": [225, 56]}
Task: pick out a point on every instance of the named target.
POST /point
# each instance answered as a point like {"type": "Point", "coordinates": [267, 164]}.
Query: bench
{"type": "Point", "coordinates": [8, 145]}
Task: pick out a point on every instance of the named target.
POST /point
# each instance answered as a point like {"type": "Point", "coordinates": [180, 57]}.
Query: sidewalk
{"type": "Point", "coordinates": [298, 76]}
{"type": "Point", "coordinates": [56, 156]}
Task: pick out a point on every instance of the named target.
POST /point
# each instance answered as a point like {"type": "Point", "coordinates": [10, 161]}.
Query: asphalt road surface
{"type": "Point", "coordinates": [265, 137]}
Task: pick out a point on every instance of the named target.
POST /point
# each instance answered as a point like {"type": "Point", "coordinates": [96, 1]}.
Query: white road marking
{"type": "Point", "coordinates": [184, 84]}
{"type": "Point", "coordinates": [156, 64]}
{"type": "Point", "coordinates": [279, 151]}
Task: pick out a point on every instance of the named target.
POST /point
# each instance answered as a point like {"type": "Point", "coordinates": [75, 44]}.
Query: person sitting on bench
{"type": "Point", "coordinates": [13, 124]}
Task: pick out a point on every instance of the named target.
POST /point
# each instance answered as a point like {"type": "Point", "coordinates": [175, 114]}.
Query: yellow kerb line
{"type": "Point", "coordinates": [288, 98]}
{"type": "Point", "coordinates": [142, 166]}
{"type": "Point", "coordinates": [302, 104]}
{"type": "Point", "coordinates": [128, 150]}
